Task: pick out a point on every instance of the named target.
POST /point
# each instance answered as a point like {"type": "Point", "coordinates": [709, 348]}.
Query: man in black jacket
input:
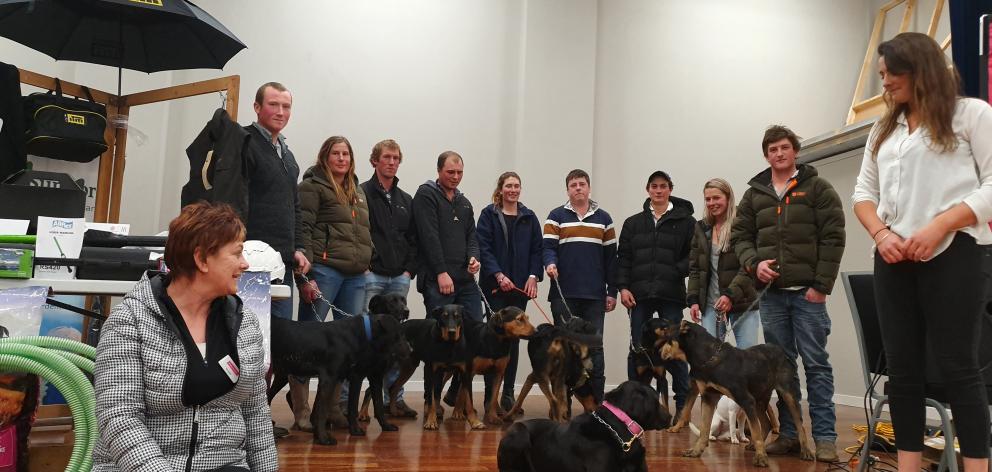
{"type": "Point", "coordinates": [394, 258]}
{"type": "Point", "coordinates": [447, 248]}
{"type": "Point", "coordinates": [653, 262]}
{"type": "Point", "coordinates": [273, 214]}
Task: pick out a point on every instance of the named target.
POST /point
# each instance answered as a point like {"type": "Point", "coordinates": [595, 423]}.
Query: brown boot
{"type": "Point", "coordinates": [826, 451]}
{"type": "Point", "coordinates": [402, 410]}
{"type": "Point", "coordinates": [782, 446]}
{"type": "Point", "coordinates": [299, 392]}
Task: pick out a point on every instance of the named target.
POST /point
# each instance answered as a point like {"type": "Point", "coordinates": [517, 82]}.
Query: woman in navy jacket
{"type": "Point", "coordinates": [510, 242]}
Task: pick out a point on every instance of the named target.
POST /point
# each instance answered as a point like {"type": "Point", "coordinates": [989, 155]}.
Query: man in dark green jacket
{"type": "Point", "coordinates": [789, 234]}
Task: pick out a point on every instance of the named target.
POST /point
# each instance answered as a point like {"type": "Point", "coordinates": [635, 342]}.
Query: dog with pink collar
{"type": "Point", "coordinates": [607, 439]}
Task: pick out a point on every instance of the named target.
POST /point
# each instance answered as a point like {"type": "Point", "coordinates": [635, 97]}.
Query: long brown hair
{"type": "Point", "coordinates": [345, 192]}
{"type": "Point", "coordinates": [498, 194]}
{"type": "Point", "coordinates": [935, 89]}
{"type": "Point", "coordinates": [724, 187]}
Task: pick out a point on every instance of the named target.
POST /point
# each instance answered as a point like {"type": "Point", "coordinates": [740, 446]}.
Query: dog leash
{"type": "Point", "coordinates": [320, 296]}
{"type": "Point", "coordinates": [637, 349]}
{"type": "Point", "coordinates": [535, 303]}
{"type": "Point", "coordinates": [725, 317]}
{"type": "Point", "coordinates": [482, 293]}
{"type": "Point", "coordinates": [554, 281]}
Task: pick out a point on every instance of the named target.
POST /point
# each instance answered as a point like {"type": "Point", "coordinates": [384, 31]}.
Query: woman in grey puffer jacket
{"type": "Point", "coordinates": [179, 371]}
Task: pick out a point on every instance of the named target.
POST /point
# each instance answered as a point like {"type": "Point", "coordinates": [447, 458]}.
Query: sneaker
{"type": "Point", "coordinates": [826, 451]}
{"type": "Point", "coordinates": [783, 445]}
{"type": "Point", "coordinates": [404, 410]}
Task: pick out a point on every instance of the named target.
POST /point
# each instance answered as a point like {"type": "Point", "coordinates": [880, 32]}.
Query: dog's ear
{"type": "Point", "coordinates": [375, 305]}
{"type": "Point", "coordinates": [684, 327]}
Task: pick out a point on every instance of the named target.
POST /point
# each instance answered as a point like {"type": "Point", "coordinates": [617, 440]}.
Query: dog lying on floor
{"type": "Point", "coordinates": [606, 439]}
{"type": "Point", "coordinates": [560, 362]}
{"type": "Point", "coordinates": [488, 351]}
{"type": "Point", "coordinates": [747, 376]}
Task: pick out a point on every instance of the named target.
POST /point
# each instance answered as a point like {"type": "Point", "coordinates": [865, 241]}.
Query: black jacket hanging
{"type": "Point", "coordinates": [12, 155]}
{"type": "Point", "coordinates": [216, 164]}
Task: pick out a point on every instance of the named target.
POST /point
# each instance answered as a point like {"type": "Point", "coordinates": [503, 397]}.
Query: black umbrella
{"type": "Point", "coordinates": [142, 35]}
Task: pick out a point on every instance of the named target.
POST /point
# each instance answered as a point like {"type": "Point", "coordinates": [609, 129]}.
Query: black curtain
{"type": "Point", "coordinates": [964, 16]}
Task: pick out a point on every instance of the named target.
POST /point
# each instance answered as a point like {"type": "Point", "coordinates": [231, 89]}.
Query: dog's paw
{"type": "Point", "coordinates": [745, 440]}
{"type": "Point", "coordinates": [734, 441]}
{"type": "Point", "coordinates": [478, 425]}
{"type": "Point", "coordinates": [430, 425]}
{"type": "Point", "coordinates": [493, 419]}
{"type": "Point", "coordinates": [760, 460]}
{"type": "Point", "coordinates": [806, 454]}
{"type": "Point", "coordinates": [458, 414]}
{"type": "Point", "coordinates": [692, 452]}
{"type": "Point", "coordinates": [388, 426]}
{"type": "Point", "coordinates": [324, 440]}
{"type": "Point", "coordinates": [712, 438]}
{"type": "Point", "coordinates": [304, 426]}
{"type": "Point", "coordinates": [677, 428]}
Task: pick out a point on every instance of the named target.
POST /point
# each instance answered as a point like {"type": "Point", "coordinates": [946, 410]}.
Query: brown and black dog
{"type": "Point", "coordinates": [439, 343]}
{"type": "Point", "coordinates": [559, 357]}
{"type": "Point", "coordinates": [648, 364]}
{"type": "Point", "coordinates": [488, 351]}
{"type": "Point", "coordinates": [747, 376]}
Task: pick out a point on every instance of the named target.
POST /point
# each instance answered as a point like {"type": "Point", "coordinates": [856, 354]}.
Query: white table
{"type": "Point", "coordinates": [100, 287]}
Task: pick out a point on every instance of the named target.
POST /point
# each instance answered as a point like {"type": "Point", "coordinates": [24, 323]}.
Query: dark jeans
{"type": "Point", "coordinates": [671, 311]}
{"type": "Point", "coordinates": [465, 294]}
{"type": "Point", "coordinates": [498, 301]}
{"type": "Point", "coordinates": [592, 311]}
{"type": "Point", "coordinates": [284, 308]}
{"type": "Point", "coordinates": [937, 303]}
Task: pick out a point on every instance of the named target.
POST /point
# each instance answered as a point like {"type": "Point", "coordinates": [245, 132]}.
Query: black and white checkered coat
{"type": "Point", "coordinates": [140, 366]}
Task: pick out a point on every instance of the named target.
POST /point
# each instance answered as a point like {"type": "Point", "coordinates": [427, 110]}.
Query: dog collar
{"type": "Point", "coordinates": [368, 327]}
{"type": "Point", "coordinates": [632, 426]}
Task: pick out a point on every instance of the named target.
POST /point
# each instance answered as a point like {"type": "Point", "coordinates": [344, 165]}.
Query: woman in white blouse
{"type": "Point", "coordinates": [924, 195]}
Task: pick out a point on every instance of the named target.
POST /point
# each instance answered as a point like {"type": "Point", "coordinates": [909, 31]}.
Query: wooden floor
{"type": "Point", "coordinates": [455, 448]}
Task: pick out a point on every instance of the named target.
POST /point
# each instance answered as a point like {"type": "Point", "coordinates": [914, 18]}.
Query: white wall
{"type": "Point", "coordinates": [617, 87]}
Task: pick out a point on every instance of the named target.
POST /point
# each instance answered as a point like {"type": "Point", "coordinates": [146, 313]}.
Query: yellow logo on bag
{"type": "Point", "coordinates": [75, 119]}
{"type": "Point", "coordinates": [156, 3]}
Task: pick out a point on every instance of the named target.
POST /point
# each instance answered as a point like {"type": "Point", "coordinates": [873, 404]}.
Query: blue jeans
{"type": "Point", "coordinates": [347, 292]}
{"type": "Point", "coordinates": [801, 329]}
{"type": "Point", "coordinates": [745, 326]}
{"type": "Point", "coordinates": [592, 311]}
{"type": "Point", "coordinates": [671, 311]}
{"type": "Point", "coordinates": [283, 308]}
{"type": "Point", "coordinates": [376, 284]}
{"type": "Point", "coordinates": [466, 294]}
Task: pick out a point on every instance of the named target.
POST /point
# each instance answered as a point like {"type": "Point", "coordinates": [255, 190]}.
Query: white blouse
{"type": "Point", "coordinates": [911, 183]}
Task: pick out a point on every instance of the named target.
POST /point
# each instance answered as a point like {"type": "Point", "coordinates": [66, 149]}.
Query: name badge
{"type": "Point", "coordinates": [230, 368]}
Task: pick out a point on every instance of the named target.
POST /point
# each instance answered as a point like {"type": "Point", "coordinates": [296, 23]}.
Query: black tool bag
{"type": "Point", "coordinates": [64, 128]}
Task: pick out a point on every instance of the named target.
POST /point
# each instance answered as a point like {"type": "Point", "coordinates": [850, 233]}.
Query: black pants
{"type": "Point", "coordinates": [937, 302]}
{"type": "Point", "coordinates": [592, 311]}
{"type": "Point", "coordinates": [498, 301]}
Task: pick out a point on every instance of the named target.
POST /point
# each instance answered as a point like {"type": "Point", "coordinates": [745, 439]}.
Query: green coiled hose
{"type": "Point", "coordinates": [62, 362]}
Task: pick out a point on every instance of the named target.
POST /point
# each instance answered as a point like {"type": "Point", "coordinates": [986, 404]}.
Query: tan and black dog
{"type": "Point", "coordinates": [488, 351]}
{"type": "Point", "coordinates": [559, 357]}
{"type": "Point", "coordinates": [747, 376]}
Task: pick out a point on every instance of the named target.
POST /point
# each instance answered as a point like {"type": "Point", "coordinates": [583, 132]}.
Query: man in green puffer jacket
{"type": "Point", "coordinates": [789, 234]}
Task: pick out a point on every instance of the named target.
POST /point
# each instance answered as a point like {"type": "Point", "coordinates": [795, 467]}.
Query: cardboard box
{"type": "Point", "coordinates": [29, 194]}
{"type": "Point", "coordinates": [16, 263]}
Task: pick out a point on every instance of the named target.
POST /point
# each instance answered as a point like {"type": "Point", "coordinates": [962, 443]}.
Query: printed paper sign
{"type": "Point", "coordinates": [62, 238]}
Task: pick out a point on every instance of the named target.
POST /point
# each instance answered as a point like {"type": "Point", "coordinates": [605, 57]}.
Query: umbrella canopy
{"type": "Point", "coordinates": [142, 35]}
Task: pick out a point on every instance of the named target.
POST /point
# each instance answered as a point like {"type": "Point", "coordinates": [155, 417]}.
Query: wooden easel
{"type": "Point", "coordinates": [875, 106]}
{"type": "Point", "coordinates": [112, 162]}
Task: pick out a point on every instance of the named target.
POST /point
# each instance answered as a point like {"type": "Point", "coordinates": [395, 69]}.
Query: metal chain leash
{"type": "Point", "coordinates": [625, 445]}
{"type": "Point", "coordinates": [554, 281]}
{"type": "Point", "coordinates": [320, 296]}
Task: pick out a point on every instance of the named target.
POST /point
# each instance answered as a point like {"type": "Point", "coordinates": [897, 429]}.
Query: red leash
{"type": "Point", "coordinates": [532, 299]}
